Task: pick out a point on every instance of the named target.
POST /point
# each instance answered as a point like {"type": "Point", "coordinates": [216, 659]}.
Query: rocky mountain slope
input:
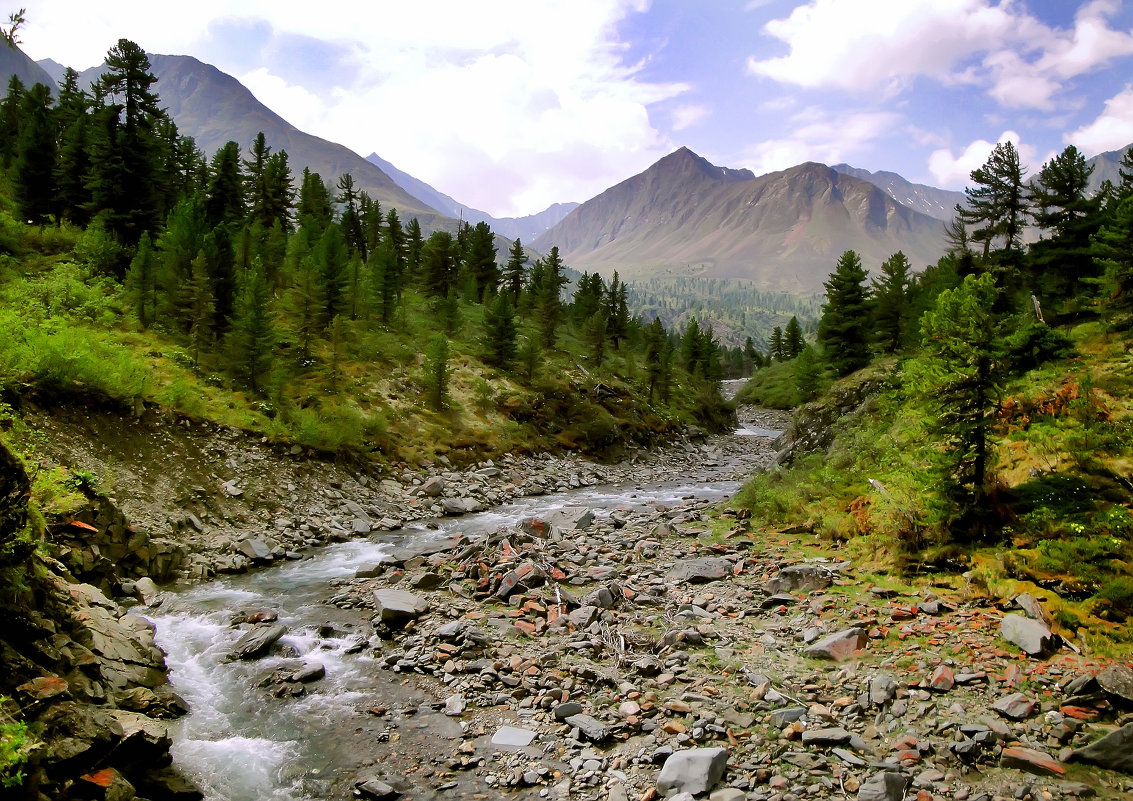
{"type": "Point", "coordinates": [937, 203]}
{"type": "Point", "coordinates": [785, 230]}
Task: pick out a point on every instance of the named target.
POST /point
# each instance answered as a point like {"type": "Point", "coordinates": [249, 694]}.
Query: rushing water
{"type": "Point", "coordinates": [240, 745]}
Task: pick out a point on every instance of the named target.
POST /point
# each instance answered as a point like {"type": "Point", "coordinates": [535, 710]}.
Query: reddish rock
{"type": "Point", "coordinates": [943, 679]}
{"type": "Point", "coordinates": [839, 646]}
{"type": "Point", "coordinates": [43, 687]}
{"type": "Point", "coordinates": [1031, 761]}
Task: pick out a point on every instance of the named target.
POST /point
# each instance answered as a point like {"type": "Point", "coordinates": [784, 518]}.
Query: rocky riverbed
{"type": "Point", "coordinates": [634, 652]}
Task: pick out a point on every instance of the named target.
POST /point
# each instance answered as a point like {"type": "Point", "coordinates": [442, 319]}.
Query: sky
{"type": "Point", "coordinates": [512, 105]}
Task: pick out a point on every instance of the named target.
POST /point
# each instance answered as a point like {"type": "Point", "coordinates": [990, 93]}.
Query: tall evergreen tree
{"type": "Point", "coordinates": [617, 311]}
{"type": "Point", "coordinates": [73, 161]}
{"type": "Point", "coordinates": [776, 350]}
{"type": "Point", "coordinates": [35, 157]}
{"type": "Point", "coordinates": [548, 295]}
{"type": "Point", "coordinates": [891, 302]}
{"type": "Point", "coordinates": [500, 332]}
{"type": "Point", "coordinates": [11, 111]}
{"type": "Point", "coordinates": [142, 284]}
{"type": "Point", "coordinates": [793, 341]}
{"type": "Point", "coordinates": [124, 183]}
{"type": "Point", "coordinates": [437, 371]}
{"type": "Point", "coordinates": [439, 264]}
{"type": "Point", "coordinates": [351, 220]}
{"type": "Point", "coordinates": [196, 306]}
{"type": "Point", "coordinates": [480, 260]}
{"type": "Point", "coordinates": [996, 206]}
{"type": "Point", "coordinates": [252, 338]}
{"type": "Point", "coordinates": [314, 209]}
{"type": "Point", "coordinates": [1068, 211]}
{"type": "Point", "coordinates": [843, 330]}
{"type": "Point", "coordinates": [225, 195]}
{"type": "Point", "coordinates": [514, 272]}
{"type": "Point", "coordinates": [1113, 253]}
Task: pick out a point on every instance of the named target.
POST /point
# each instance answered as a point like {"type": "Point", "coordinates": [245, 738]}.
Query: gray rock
{"type": "Point", "coordinates": [1033, 637]}
{"type": "Point", "coordinates": [882, 689]}
{"type": "Point", "coordinates": [693, 771]}
{"type": "Point", "coordinates": [454, 705]}
{"type": "Point", "coordinates": [1112, 752]}
{"type": "Point", "coordinates": [838, 646]}
{"type": "Point", "coordinates": [146, 591]}
{"type": "Point", "coordinates": [591, 729]}
{"type": "Point", "coordinates": [1015, 706]}
{"type": "Point", "coordinates": [255, 549]}
{"type": "Point", "coordinates": [308, 673]}
{"type": "Point", "coordinates": [567, 709]}
{"type": "Point", "coordinates": [512, 738]}
{"type": "Point", "coordinates": [700, 571]}
{"type": "Point", "coordinates": [397, 607]}
{"type": "Point", "coordinates": [434, 487]}
{"type": "Point", "coordinates": [833, 736]}
{"type": "Point", "coordinates": [453, 506]}
{"type": "Point", "coordinates": [1030, 604]}
{"type": "Point", "coordinates": [883, 787]}
{"type": "Point", "coordinates": [800, 578]}
{"type": "Point", "coordinates": [1116, 680]}
{"type": "Point", "coordinates": [781, 717]}
{"type": "Point", "coordinates": [256, 642]}
{"type": "Point", "coordinates": [369, 570]}
{"type": "Point", "coordinates": [375, 789]}
{"type": "Point", "coordinates": [570, 518]}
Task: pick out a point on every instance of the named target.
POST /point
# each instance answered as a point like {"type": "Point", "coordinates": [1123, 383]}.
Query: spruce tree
{"type": "Point", "coordinates": [547, 295]}
{"type": "Point", "coordinates": [844, 328]}
{"type": "Point", "coordinates": [35, 157]}
{"type": "Point", "coordinates": [891, 302]}
{"type": "Point", "coordinates": [617, 311]}
{"type": "Point", "coordinates": [437, 372]}
{"type": "Point", "coordinates": [514, 272]}
{"type": "Point", "coordinates": [775, 347]}
{"type": "Point", "coordinates": [252, 337]}
{"type": "Point", "coordinates": [1113, 253]}
{"type": "Point", "coordinates": [225, 194]}
{"type": "Point", "coordinates": [500, 332]}
{"type": "Point", "coordinates": [1067, 210]}
{"type": "Point", "coordinates": [793, 341]}
{"type": "Point", "coordinates": [197, 308]}
{"type": "Point", "coordinates": [439, 264]}
{"type": "Point", "coordinates": [142, 285]}
{"type": "Point", "coordinates": [594, 335]}
{"type": "Point", "coordinates": [480, 260]}
{"type": "Point", "coordinates": [656, 343]}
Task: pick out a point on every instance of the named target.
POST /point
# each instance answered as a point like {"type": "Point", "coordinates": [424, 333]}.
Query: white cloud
{"type": "Point", "coordinates": [821, 137]}
{"type": "Point", "coordinates": [1112, 130]}
{"type": "Point", "coordinates": [884, 45]}
{"type": "Point", "coordinates": [952, 171]}
{"type": "Point", "coordinates": [687, 116]}
{"type": "Point", "coordinates": [508, 107]}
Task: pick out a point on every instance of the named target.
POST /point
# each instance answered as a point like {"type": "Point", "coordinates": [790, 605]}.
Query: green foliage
{"type": "Point", "coordinates": [436, 371]}
{"type": "Point", "coordinates": [843, 329]}
{"type": "Point", "coordinates": [16, 743]}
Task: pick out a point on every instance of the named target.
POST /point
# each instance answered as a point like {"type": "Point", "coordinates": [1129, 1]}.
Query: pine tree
{"type": "Point", "coordinates": [73, 161]}
{"type": "Point", "coordinates": [351, 221]}
{"type": "Point", "coordinates": [314, 209]}
{"type": "Point", "coordinates": [437, 372]}
{"type": "Point", "coordinates": [35, 157]}
{"type": "Point", "coordinates": [178, 245]}
{"type": "Point", "coordinates": [225, 194]}
{"type": "Point", "coordinates": [439, 263]}
{"type": "Point", "coordinates": [843, 329]}
{"type": "Point", "coordinates": [996, 206]}
{"type": "Point", "coordinates": [1068, 210]}
{"type": "Point", "coordinates": [793, 341]}
{"type": "Point", "coordinates": [775, 348]}
{"type": "Point", "coordinates": [617, 311]}
{"type": "Point", "coordinates": [514, 272]}
{"type": "Point", "coordinates": [594, 335]}
{"type": "Point", "coordinates": [10, 113]}
{"type": "Point", "coordinates": [252, 337]}
{"type": "Point", "coordinates": [1113, 252]}
{"type": "Point", "coordinates": [196, 306]}
{"type": "Point", "coordinates": [142, 284]}
{"type": "Point", "coordinates": [656, 348]}
{"type": "Point", "coordinates": [480, 260]}
{"type": "Point", "coordinates": [500, 332]}
{"type": "Point", "coordinates": [891, 302]}
{"type": "Point", "coordinates": [547, 295]}
{"type": "Point", "coordinates": [960, 373]}
{"type": "Point", "coordinates": [808, 373]}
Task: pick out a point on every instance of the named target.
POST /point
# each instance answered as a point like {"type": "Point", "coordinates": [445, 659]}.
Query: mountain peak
{"type": "Point", "coordinates": [683, 159]}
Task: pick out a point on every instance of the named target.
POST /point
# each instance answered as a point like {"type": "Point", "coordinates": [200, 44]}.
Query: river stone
{"type": "Point", "coordinates": [838, 646]}
{"type": "Point", "coordinates": [700, 571]}
{"type": "Point", "coordinates": [1117, 681]}
{"type": "Point", "coordinates": [590, 728]}
{"type": "Point", "coordinates": [693, 770]}
{"type": "Point", "coordinates": [577, 518]}
{"type": "Point", "coordinates": [567, 709]}
{"type": "Point", "coordinates": [145, 590]}
{"type": "Point", "coordinates": [1031, 636]}
{"type": "Point", "coordinates": [800, 578]}
{"type": "Point", "coordinates": [434, 487]}
{"type": "Point", "coordinates": [453, 506]}
{"type": "Point", "coordinates": [369, 570]}
{"type": "Point", "coordinates": [834, 736]}
{"type": "Point", "coordinates": [1112, 752]}
{"type": "Point", "coordinates": [512, 738]}
{"type": "Point", "coordinates": [398, 607]}
{"type": "Point", "coordinates": [883, 787]}
{"type": "Point", "coordinates": [781, 717]}
{"type": "Point", "coordinates": [375, 789]}
{"type": "Point", "coordinates": [256, 642]}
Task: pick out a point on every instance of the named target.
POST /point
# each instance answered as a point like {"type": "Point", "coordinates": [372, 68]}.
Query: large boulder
{"type": "Point", "coordinates": [694, 770]}
{"type": "Point", "coordinates": [398, 607]}
{"type": "Point", "coordinates": [1113, 752]}
{"type": "Point", "coordinates": [1032, 636]}
{"type": "Point", "coordinates": [800, 578]}
{"type": "Point", "coordinates": [256, 642]}
{"type": "Point", "coordinates": [886, 786]}
{"type": "Point", "coordinates": [570, 518]}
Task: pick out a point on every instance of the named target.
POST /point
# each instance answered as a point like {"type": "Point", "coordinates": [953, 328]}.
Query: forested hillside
{"type": "Point", "coordinates": [977, 417]}
{"type": "Point", "coordinates": [135, 269]}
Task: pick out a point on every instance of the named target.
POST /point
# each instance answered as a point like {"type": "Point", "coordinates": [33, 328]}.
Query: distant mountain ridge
{"type": "Point", "coordinates": [930, 200]}
{"type": "Point", "coordinates": [523, 228]}
{"type": "Point", "coordinates": [14, 61]}
{"type": "Point", "coordinates": [784, 230]}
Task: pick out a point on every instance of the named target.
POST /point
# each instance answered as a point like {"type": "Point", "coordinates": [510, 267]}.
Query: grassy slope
{"type": "Point", "coordinates": [1064, 452]}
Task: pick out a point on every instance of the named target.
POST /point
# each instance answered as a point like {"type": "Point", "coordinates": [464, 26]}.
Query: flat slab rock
{"type": "Point", "coordinates": [257, 642]}
{"type": "Point", "coordinates": [512, 738]}
{"type": "Point", "coordinates": [700, 571]}
{"type": "Point", "coordinates": [1117, 680]}
{"type": "Point", "coordinates": [1032, 636]}
{"type": "Point", "coordinates": [398, 606]}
